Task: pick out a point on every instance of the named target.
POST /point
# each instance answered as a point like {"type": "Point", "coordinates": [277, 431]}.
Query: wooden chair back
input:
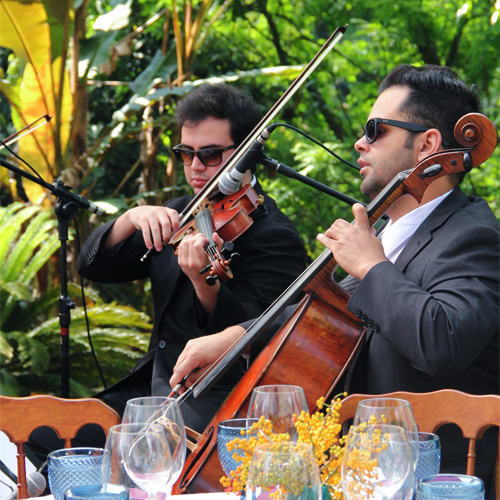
{"type": "Point", "coordinates": [472, 414]}
{"type": "Point", "coordinates": [19, 417]}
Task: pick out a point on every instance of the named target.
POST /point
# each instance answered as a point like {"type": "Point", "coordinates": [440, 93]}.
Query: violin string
{"type": "Point", "coordinates": [204, 224]}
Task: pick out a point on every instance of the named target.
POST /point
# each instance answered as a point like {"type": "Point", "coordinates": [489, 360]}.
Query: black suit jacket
{"type": "Point", "coordinates": [435, 312]}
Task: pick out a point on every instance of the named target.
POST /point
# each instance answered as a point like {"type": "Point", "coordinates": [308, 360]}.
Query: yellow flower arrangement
{"type": "Point", "coordinates": [321, 430]}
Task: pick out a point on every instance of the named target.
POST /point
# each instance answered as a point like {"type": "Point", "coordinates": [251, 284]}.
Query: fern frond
{"type": "Point", "coordinates": [12, 220]}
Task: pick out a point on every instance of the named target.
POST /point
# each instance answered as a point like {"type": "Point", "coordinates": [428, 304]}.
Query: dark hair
{"type": "Point", "coordinates": [220, 101]}
{"type": "Point", "coordinates": [438, 97]}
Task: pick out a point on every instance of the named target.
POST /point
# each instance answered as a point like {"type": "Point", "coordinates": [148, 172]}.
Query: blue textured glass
{"type": "Point", "coordinates": [450, 486]}
{"type": "Point", "coordinates": [73, 467]}
{"type": "Point", "coordinates": [429, 455]}
{"type": "Point", "coordinates": [226, 432]}
{"type": "Point", "coordinates": [97, 491]}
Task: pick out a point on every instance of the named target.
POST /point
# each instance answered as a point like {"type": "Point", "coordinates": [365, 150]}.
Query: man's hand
{"type": "Point", "coordinates": [192, 259]}
{"type": "Point", "coordinates": [354, 246]}
{"type": "Point", "coordinates": [199, 354]}
{"type": "Point", "coordinates": [156, 223]}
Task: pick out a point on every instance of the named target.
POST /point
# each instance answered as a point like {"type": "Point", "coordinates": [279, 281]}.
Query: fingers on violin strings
{"type": "Point", "coordinates": [156, 234]}
{"type": "Point", "coordinates": [165, 226]}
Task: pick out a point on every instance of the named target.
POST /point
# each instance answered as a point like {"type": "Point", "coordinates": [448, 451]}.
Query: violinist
{"type": "Point", "coordinates": [213, 120]}
{"type": "Point", "coordinates": [427, 287]}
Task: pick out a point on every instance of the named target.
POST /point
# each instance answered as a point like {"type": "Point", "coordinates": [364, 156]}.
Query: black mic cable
{"type": "Point", "coordinates": [8, 472]}
{"type": "Point", "coordinates": [312, 139]}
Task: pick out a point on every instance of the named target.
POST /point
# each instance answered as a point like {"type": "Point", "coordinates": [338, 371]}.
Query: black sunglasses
{"type": "Point", "coordinates": [210, 157]}
{"type": "Point", "coordinates": [371, 127]}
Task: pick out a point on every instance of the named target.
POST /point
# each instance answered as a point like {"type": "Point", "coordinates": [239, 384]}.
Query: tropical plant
{"type": "Point", "coordinates": [29, 340]}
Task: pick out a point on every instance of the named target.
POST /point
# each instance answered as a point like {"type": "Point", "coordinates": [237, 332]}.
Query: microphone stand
{"type": "Point", "coordinates": [67, 207]}
{"type": "Point", "coordinates": [281, 168]}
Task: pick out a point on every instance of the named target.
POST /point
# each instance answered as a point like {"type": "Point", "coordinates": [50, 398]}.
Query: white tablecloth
{"type": "Point", "coordinates": [199, 496]}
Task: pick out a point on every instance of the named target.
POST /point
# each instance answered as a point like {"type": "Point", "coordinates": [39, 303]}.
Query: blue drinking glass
{"type": "Point", "coordinates": [429, 456]}
{"type": "Point", "coordinates": [97, 492]}
{"type": "Point", "coordinates": [228, 430]}
{"type": "Point", "coordinates": [73, 467]}
{"type": "Point", "coordinates": [450, 486]}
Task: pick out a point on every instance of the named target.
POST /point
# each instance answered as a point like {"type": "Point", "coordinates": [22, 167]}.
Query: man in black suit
{"type": "Point", "coordinates": [214, 120]}
{"type": "Point", "coordinates": [429, 287]}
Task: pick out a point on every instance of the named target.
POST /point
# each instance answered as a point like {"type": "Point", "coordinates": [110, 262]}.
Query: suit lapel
{"type": "Point", "coordinates": [424, 234]}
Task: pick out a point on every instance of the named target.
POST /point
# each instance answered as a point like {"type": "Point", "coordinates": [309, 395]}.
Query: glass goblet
{"type": "Point", "coordinates": [393, 411]}
{"type": "Point", "coordinates": [113, 470]}
{"type": "Point", "coordinates": [283, 470]}
{"type": "Point", "coordinates": [227, 430]}
{"type": "Point", "coordinates": [390, 411]}
{"type": "Point", "coordinates": [376, 462]}
{"type": "Point", "coordinates": [73, 467]}
{"type": "Point", "coordinates": [146, 457]}
{"type": "Point", "coordinates": [454, 486]}
{"type": "Point", "coordinates": [165, 412]}
{"type": "Point", "coordinates": [429, 456]}
{"type": "Point", "coordinates": [278, 403]}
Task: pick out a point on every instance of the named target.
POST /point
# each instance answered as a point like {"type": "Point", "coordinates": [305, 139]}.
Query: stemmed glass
{"type": "Point", "coordinates": [278, 403]}
{"type": "Point", "coordinates": [165, 412]}
{"type": "Point", "coordinates": [392, 411]}
{"type": "Point", "coordinates": [376, 463]}
{"type": "Point", "coordinates": [137, 455]}
{"type": "Point", "coordinates": [283, 470]}
{"type": "Point", "coordinates": [146, 457]}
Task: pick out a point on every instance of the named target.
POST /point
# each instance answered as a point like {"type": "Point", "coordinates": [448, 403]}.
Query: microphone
{"type": "Point", "coordinates": [230, 181]}
{"type": "Point", "coordinates": [64, 192]}
{"type": "Point", "coordinates": [36, 485]}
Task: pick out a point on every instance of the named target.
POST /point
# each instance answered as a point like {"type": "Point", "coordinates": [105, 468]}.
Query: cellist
{"type": "Point", "coordinates": [428, 286]}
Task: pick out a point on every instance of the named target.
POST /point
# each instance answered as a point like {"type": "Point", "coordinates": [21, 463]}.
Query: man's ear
{"type": "Point", "coordinates": [428, 143]}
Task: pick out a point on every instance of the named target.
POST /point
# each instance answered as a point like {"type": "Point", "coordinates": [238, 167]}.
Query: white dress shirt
{"type": "Point", "coordinates": [395, 235]}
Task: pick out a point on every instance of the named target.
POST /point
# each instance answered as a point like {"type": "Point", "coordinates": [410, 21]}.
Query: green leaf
{"type": "Point", "coordinates": [11, 224]}
{"type": "Point", "coordinates": [143, 82]}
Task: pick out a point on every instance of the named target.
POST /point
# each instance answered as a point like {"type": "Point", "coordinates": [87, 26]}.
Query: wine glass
{"type": "Point", "coordinates": [376, 463]}
{"type": "Point", "coordinates": [165, 412]}
{"type": "Point", "coordinates": [283, 470]}
{"type": "Point", "coordinates": [145, 452]}
{"type": "Point", "coordinates": [113, 470]}
{"type": "Point", "coordinates": [278, 403]}
{"type": "Point", "coordinates": [392, 411]}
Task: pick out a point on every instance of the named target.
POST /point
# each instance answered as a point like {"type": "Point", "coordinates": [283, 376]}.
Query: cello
{"type": "Point", "coordinates": [321, 337]}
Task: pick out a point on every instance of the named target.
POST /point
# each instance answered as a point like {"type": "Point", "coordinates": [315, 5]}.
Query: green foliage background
{"type": "Point", "coordinates": [123, 102]}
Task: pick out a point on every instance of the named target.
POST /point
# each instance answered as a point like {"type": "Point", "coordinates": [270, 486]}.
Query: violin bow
{"type": "Point", "coordinates": [211, 186]}
{"type": "Point", "coordinates": [27, 130]}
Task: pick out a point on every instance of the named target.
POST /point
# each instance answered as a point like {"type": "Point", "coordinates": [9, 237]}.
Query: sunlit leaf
{"type": "Point", "coordinates": [24, 30]}
{"type": "Point", "coordinates": [39, 95]}
{"type": "Point", "coordinates": [115, 19]}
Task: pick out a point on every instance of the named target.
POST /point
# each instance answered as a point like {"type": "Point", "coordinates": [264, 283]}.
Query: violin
{"type": "Point", "coordinates": [321, 338]}
{"type": "Point", "coordinates": [229, 217]}
{"type": "Point", "coordinates": [211, 187]}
